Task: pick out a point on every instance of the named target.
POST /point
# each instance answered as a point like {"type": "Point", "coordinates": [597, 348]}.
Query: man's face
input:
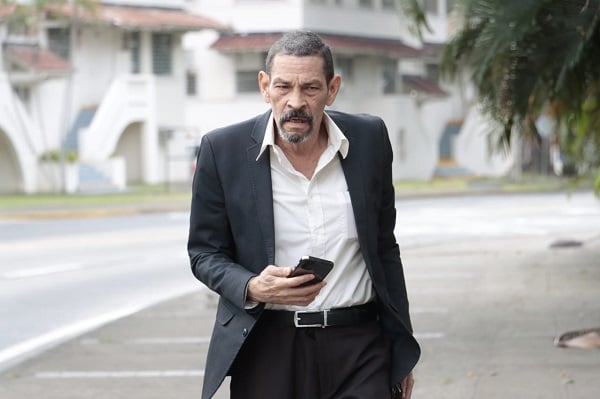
{"type": "Point", "coordinates": [298, 93]}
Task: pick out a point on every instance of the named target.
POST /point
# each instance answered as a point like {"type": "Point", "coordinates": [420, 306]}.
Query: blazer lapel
{"type": "Point", "coordinates": [262, 190]}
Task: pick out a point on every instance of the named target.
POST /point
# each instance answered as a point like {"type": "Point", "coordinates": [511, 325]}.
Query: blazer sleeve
{"type": "Point", "coordinates": [405, 349]}
{"type": "Point", "coordinates": [388, 249]}
{"type": "Point", "coordinates": [211, 246]}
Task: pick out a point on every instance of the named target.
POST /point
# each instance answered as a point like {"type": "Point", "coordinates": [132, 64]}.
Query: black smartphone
{"type": "Point", "coordinates": [312, 265]}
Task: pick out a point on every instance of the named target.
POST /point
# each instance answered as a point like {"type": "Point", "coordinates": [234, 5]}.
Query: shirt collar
{"type": "Point", "coordinates": [337, 140]}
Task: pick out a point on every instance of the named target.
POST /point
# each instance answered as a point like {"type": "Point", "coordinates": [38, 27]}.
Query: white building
{"type": "Point", "coordinates": [106, 85]}
{"type": "Point", "coordinates": [134, 72]}
{"type": "Point", "coordinates": [385, 71]}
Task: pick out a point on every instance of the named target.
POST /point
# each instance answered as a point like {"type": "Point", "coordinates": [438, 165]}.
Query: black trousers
{"type": "Point", "coordinates": [285, 362]}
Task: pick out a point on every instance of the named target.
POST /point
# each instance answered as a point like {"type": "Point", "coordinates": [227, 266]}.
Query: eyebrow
{"type": "Point", "coordinates": [287, 81]}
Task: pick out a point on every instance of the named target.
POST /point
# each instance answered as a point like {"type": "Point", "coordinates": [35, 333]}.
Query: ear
{"type": "Point", "coordinates": [263, 85]}
{"type": "Point", "coordinates": [334, 88]}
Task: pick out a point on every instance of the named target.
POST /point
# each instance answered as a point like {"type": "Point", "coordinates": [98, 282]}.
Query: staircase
{"type": "Point", "coordinates": [450, 168]}
{"type": "Point", "coordinates": [84, 119]}
{"type": "Point", "coordinates": [447, 165]}
{"type": "Point", "coordinates": [92, 179]}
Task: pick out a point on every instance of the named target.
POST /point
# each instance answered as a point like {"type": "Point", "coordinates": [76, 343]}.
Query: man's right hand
{"type": "Point", "coordinates": [272, 285]}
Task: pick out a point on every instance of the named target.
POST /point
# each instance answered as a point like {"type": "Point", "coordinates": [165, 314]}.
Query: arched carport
{"type": "Point", "coordinates": [129, 146]}
{"type": "Point", "coordinates": [18, 168]}
{"type": "Point", "coordinates": [11, 178]}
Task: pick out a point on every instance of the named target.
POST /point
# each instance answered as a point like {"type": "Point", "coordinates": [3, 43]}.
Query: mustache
{"type": "Point", "coordinates": [295, 113]}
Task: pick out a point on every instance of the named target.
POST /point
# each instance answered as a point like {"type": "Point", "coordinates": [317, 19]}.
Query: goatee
{"type": "Point", "coordinates": [294, 137]}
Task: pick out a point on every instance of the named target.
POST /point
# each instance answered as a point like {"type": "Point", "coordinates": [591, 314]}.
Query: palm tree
{"type": "Point", "coordinates": [529, 59]}
{"type": "Point", "coordinates": [415, 15]}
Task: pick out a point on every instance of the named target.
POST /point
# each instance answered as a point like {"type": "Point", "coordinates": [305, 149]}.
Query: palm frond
{"type": "Point", "coordinates": [417, 21]}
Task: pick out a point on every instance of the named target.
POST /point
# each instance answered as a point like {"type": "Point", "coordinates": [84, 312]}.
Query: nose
{"type": "Point", "coordinates": [296, 98]}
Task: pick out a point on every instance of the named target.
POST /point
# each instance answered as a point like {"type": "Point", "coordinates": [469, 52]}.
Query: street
{"type": "Point", "coordinates": [101, 269]}
{"type": "Point", "coordinates": [431, 220]}
{"type": "Point", "coordinates": [61, 277]}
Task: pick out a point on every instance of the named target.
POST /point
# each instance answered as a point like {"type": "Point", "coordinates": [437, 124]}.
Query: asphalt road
{"type": "Point", "coordinates": [61, 277]}
{"type": "Point", "coordinates": [433, 220]}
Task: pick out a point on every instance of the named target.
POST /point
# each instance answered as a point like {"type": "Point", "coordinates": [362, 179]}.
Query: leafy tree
{"type": "Point", "coordinates": [24, 17]}
{"type": "Point", "coordinates": [531, 58]}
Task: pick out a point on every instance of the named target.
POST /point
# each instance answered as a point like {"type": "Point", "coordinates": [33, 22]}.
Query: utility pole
{"type": "Point", "coordinates": [68, 101]}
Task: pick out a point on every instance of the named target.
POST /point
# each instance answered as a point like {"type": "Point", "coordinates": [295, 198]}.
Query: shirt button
{"type": "Point", "coordinates": [245, 332]}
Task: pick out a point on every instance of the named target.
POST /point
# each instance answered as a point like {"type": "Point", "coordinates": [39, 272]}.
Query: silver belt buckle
{"type": "Point", "coordinates": [298, 313]}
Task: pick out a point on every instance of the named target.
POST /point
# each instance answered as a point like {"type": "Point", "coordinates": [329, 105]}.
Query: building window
{"type": "Point", "coordinates": [59, 42]}
{"type": "Point", "coordinates": [162, 53]}
{"type": "Point", "coordinates": [390, 76]}
{"type": "Point", "coordinates": [24, 94]}
{"type": "Point", "coordinates": [191, 83]}
{"type": "Point", "coordinates": [433, 72]}
{"type": "Point", "coordinates": [246, 81]}
{"type": "Point", "coordinates": [131, 42]}
{"type": "Point", "coordinates": [345, 68]}
{"type": "Point", "coordinates": [430, 6]}
{"type": "Point", "coordinates": [388, 4]}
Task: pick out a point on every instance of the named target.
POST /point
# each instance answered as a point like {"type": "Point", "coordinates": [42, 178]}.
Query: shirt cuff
{"type": "Point", "coordinates": [249, 304]}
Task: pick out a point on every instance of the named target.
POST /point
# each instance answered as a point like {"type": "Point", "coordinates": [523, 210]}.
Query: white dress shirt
{"type": "Point", "coordinates": [314, 217]}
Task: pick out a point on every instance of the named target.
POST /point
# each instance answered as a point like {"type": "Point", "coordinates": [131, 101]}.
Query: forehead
{"type": "Point", "coordinates": [290, 66]}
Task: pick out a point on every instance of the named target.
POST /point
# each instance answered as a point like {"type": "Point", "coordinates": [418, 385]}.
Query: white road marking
{"type": "Point", "coordinates": [429, 335]}
{"type": "Point", "coordinates": [179, 216]}
{"type": "Point", "coordinates": [436, 290]}
{"type": "Point", "coordinates": [439, 276]}
{"type": "Point", "coordinates": [154, 341]}
{"type": "Point", "coordinates": [432, 310]}
{"type": "Point", "coordinates": [120, 374]}
{"type": "Point", "coordinates": [168, 340]}
{"type": "Point", "coordinates": [42, 271]}
{"type": "Point", "coordinates": [62, 334]}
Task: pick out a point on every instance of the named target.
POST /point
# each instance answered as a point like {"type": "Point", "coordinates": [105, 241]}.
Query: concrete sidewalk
{"type": "Point", "coordinates": [486, 314]}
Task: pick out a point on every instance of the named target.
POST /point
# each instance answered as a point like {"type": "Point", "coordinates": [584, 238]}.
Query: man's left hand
{"type": "Point", "coordinates": [407, 386]}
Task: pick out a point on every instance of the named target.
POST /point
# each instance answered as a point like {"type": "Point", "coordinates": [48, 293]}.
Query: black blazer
{"type": "Point", "coordinates": [231, 237]}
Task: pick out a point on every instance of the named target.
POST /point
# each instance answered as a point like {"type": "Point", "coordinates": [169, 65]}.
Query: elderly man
{"type": "Point", "coordinates": [298, 181]}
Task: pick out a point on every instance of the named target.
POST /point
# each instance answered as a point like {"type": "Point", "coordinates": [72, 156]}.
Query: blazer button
{"type": "Point", "coordinates": [245, 332]}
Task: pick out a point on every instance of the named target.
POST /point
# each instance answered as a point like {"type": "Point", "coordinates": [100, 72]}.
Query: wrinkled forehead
{"type": "Point", "coordinates": [306, 67]}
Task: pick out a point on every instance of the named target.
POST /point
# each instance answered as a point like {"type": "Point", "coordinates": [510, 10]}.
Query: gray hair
{"type": "Point", "coordinates": [302, 44]}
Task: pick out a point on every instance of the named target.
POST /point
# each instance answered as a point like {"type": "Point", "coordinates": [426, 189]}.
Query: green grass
{"type": "Point", "coordinates": [462, 184]}
{"type": "Point", "coordinates": [179, 196]}
{"type": "Point", "coordinates": [134, 196]}
{"type": "Point", "coordinates": [446, 184]}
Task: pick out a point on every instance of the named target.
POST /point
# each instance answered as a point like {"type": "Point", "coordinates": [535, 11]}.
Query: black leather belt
{"type": "Point", "coordinates": [323, 318]}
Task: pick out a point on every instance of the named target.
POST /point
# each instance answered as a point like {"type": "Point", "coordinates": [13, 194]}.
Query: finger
{"type": "Point", "coordinates": [407, 386]}
{"type": "Point", "coordinates": [299, 280]}
{"type": "Point", "coordinates": [302, 296]}
{"type": "Point", "coordinates": [276, 271]}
